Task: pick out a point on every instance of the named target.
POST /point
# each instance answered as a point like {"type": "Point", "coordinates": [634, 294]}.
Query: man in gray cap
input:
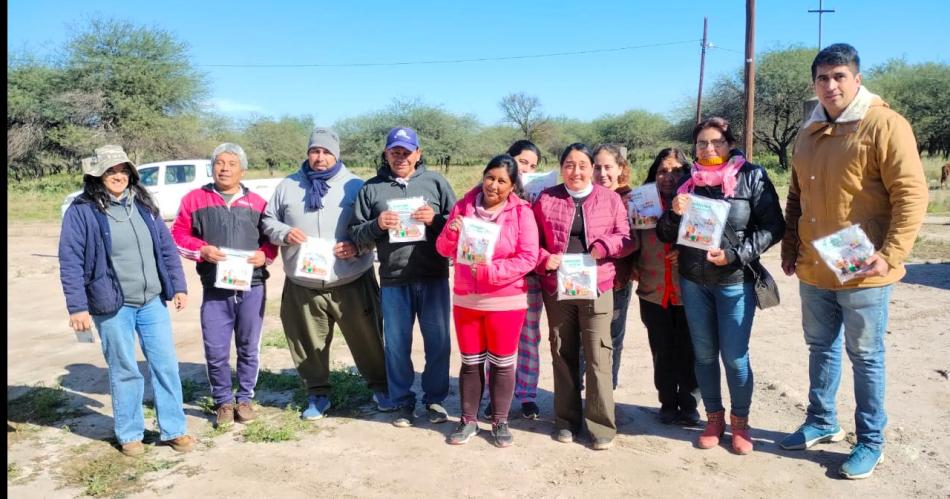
{"type": "Point", "coordinates": [330, 280]}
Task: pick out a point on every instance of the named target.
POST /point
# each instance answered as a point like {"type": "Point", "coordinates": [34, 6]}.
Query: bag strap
{"type": "Point", "coordinates": [733, 238]}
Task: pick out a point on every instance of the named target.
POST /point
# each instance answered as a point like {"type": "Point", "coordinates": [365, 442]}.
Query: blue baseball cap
{"type": "Point", "coordinates": [402, 137]}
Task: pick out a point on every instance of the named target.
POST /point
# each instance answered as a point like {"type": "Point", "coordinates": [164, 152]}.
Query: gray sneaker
{"type": "Point", "coordinates": [437, 414]}
{"type": "Point", "coordinates": [463, 433]}
{"type": "Point", "coordinates": [406, 417]}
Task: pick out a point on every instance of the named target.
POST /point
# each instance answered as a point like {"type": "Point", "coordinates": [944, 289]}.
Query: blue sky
{"type": "Point", "coordinates": [660, 77]}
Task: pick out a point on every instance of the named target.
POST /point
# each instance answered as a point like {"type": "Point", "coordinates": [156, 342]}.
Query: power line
{"type": "Point", "coordinates": [411, 63]}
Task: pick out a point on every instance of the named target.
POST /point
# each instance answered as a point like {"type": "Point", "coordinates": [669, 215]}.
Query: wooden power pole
{"type": "Point", "coordinates": [702, 66]}
{"type": "Point", "coordinates": [749, 76]}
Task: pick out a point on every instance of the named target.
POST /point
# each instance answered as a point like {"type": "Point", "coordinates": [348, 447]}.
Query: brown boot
{"type": "Point", "coordinates": [715, 426]}
{"type": "Point", "coordinates": [133, 449]}
{"type": "Point", "coordinates": [741, 442]}
{"type": "Point", "coordinates": [244, 412]}
{"type": "Point", "coordinates": [184, 443]}
{"type": "Point", "coordinates": [224, 415]}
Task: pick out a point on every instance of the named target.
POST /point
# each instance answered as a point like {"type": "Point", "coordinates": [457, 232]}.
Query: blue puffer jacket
{"type": "Point", "coordinates": [85, 267]}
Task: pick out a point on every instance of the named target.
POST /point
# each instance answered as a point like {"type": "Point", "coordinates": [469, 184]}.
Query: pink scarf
{"type": "Point", "coordinates": [725, 175]}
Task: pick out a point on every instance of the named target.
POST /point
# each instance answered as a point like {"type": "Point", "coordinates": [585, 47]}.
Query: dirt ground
{"type": "Point", "coordinates": [365, 456]}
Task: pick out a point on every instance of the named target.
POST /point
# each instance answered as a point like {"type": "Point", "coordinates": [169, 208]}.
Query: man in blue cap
{"type": "Point", "coordinates": [411, 273]}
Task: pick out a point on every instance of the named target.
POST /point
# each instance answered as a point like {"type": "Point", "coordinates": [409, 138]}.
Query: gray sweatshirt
{"type": "Point", "coordinates": [133, 255]}
{"type": "Point", "coordinates": [401, 263]}
{"type": "Point", "coordinates": [286, 210]}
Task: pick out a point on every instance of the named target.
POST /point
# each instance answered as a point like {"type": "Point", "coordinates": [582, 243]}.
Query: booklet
{"type": "Point", "coordinates": [846, 252]}
{"type": "Point", "coordinates": [234, 272]}
{"type": "Point", "coordinates": [477, 239]}
{"type": "Point", "coordinates": [315, 259]}
{"type": "Point", "coordinates": [577, 277]}
{"type": "Point", "coordinates": [644, 207]}
{"type": "Point", "coordinates": [409, 230]}
{"type": "Point", "coordinates": [703, 222]}
{"type": "Point", "coordinates": [534, 183]}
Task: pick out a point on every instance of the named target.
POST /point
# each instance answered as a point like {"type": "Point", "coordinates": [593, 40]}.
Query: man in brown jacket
{"type": "Point", "coordinates": [855, 163]}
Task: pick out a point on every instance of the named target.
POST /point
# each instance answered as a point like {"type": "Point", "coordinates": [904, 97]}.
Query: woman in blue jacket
{"type": "Point", "coordinates": [118, 267]}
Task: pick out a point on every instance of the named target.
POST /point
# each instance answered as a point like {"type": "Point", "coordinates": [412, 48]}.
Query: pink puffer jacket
{"type": "Point", "coordinates": [515, 255]}
{"type": "Point", "coordinates": [605, 225]}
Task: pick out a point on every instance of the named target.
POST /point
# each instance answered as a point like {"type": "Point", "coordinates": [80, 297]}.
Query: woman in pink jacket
{"type": "Point", "coordinates": [490, 299]}
{"type": "Point", "coordinates": [580, 217]}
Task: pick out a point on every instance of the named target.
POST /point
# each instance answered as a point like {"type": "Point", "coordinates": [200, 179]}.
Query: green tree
{"type": "Point", "coordinates": [921, 93]}
{"type": "Point", "coordinates": [277, 143]}
{"type": "Point", "coordinates": [634, 129]}
{"type": "Point", "coordinates": [524, 111]}
{"type": "Point", "coordinates": [150, 89]}
{"type": "Point", "coordinates": [782, 85]}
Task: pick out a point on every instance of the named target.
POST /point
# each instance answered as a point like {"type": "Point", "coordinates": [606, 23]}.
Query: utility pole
{"type": "Point", "coordinates": [702, 66]}
{"type": "Point", "coordinates": [749, 75]}
{"type": "Point", "coordinates": [820, 12]}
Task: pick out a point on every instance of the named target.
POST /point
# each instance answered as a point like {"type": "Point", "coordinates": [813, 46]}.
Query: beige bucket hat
{"type": "Point", "coordinates": [106, 157]}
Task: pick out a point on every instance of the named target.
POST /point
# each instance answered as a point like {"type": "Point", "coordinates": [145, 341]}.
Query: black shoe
{"type": "Point", "coordinates": [501, 435]}
{"type": "Point", "coordinates": [406, 417]}
{"type": "Point", "coordinates": [668, 414]}
{"type": "Point", "coordinates": [463, 433]}
{"type": "Point", "coordinates": [603, 443]}
{"type": "Point", "coordinates": [530, 410]}
{"type": "Point", "coordinates": [688, 417]}
{"type": "Point", "coordinates": [564, 436]}
{"type": "Point", "coordinates": [436, 413]}
{"type": "Point", "coordinates": [489, 412]}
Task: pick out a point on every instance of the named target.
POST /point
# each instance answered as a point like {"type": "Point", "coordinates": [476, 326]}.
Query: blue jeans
{"type": "Point", "coordinates": [152, 324]}
{"type": "Point", "coordinates": [720, 323]}
{"type": "Point", "coordinates": [429, 301]}
{"type": "Point", "coordinates": [861, 314]}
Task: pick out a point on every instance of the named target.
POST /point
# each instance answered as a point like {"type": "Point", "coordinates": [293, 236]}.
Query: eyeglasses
{"type": "Point", "coordinates": [702, 144]}
{"type": "Point", "coordinates": [122, 171]}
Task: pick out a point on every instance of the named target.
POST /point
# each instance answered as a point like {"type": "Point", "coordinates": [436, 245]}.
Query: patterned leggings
{"type": "Point", "coordinates": [528, 366]}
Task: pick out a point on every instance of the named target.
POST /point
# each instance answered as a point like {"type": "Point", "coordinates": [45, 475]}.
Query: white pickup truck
{"type": "Point", "coordinates": [169, 181]}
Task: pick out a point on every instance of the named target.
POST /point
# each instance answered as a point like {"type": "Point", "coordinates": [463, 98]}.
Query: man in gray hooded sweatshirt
{"type": "Point", "coordinates": [308, 214]}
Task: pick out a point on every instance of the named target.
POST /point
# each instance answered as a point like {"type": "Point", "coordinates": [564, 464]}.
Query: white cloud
{"type": "Point", "coordinates": [229, 106]}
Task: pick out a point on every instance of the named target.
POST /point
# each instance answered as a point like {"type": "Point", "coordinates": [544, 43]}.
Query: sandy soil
{"type": "Point", "coordinates": [365, 456]}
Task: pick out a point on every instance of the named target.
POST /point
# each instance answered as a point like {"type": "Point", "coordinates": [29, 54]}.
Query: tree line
{"type": "Point", "coordinates": [135, 85]}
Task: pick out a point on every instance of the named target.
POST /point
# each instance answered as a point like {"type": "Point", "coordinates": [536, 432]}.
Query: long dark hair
{"type": "Point", "coordinates": [96, 191]}
{"type": "Point", "coordinates": [511, 168]}
{"type": "Point", "coordinates": [521, 146]}
{"type": "Point", "coordinates": [577, 146]}
{"type": "Point", "coordinates": [665, 153]}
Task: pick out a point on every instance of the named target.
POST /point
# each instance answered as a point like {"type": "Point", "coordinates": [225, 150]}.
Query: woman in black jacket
{"type": "Point", "coordinates": [717, 285]}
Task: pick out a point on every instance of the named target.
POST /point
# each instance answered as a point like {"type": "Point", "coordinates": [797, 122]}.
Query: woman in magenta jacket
{"type": "Point", "coordinates": [490, 299]}
{"type": "Point", "coordinates": [574, 217]}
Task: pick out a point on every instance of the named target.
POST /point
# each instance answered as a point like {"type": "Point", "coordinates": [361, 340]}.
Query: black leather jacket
{"type": "Point", "coordinates": [756, 217]}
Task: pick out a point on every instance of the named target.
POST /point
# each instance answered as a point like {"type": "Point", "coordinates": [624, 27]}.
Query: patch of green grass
{"type": "Point", "coordinates": [277, 382]}
{"type": "Point", "coordinates": [40, 405]}
{"type": "Point", "coordinates": [348, 391]}
{"type": "Point", "coordinates": [206, 404]}
{"type": "Point", "coordinates": [939, 201]}
{"type": "Point", "coordinates": [287, 425]}
{"type": "Point", "coordinates": [111, 474]}
{"type": "Point", "coordinates": [148, 411]}
{"type": "Point", "coordinates": [191, 388]}
{"type": "Point", "coordinates": [13, 471]}
{"type": "Point", "coordinates": [274, 339]}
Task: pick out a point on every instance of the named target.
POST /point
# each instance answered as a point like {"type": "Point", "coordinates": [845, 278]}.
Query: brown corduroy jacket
{"type": "Point", "coordinates": [862, 169]}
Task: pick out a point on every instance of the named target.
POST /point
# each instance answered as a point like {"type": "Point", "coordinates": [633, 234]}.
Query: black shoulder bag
{"type": "Point", "coordinates": [766, 290]}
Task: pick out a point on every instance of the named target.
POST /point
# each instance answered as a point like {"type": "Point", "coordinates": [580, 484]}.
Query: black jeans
{"type": "Point", "coordinates": [673, 360]}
